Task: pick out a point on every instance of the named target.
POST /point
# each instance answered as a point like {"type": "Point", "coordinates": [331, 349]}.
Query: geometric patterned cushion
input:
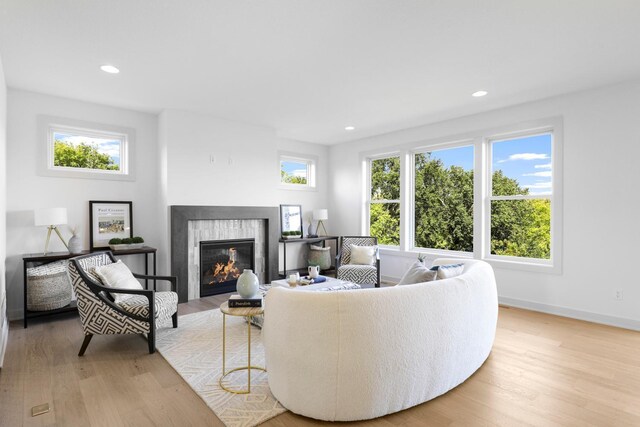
{"type": "Point", "coordinates": [96, 316]}
{"type": "Point", "coordinates": [88, 264]}
{"type": "Point", "coordinates": [166, 304]}
{"type": "Point", "coordinates": [362, 274]}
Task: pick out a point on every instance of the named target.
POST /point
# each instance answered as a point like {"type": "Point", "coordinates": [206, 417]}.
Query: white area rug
{"type": "Point", "coordinates": [194, 350]}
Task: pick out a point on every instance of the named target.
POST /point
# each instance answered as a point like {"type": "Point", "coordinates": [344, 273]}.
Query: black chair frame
{"type": "Point", "coordinates": [103, 293]}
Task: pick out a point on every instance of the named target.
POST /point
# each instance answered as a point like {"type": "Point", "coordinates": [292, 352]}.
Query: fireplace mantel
{"type": "Point", "coordinates": [180, 217]}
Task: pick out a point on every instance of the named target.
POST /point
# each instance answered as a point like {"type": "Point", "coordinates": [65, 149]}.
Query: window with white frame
{"type": "Point", "coordinates": [494, 196]}
{"type": "Point", "coordinates": [87, 150]}
{"type": "Point", "coordinates": [520, 196]}
{"type": "Point", "coordinates": [297, 172]}
{"type": "Point", "coordinates": [443, 191]}
{"type": "Point", "coordinates": [384, 200]}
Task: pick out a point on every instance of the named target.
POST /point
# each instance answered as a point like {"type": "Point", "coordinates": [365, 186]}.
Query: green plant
{"type": "Point", "coordinates": [127, 241]}
{"type": "Point", "coordinates": [137, 239]}
{"type": "Point", "coordinates": [115, 241]}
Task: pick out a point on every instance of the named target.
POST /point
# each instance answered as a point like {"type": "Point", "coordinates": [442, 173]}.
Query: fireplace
{"type": "Point", "coordinates": [222, 262]}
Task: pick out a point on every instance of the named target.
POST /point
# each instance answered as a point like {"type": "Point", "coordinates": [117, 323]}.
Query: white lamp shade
{"type": "Point", "coordinates": [50, 216]}
{"type": "Point", "coordinates": [320, 214]}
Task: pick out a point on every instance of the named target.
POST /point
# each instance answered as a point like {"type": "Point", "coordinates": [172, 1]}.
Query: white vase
{"type": "Point", "coordinates": [248, 284]}
{"type": "Point", "coordinates": [75, 245]}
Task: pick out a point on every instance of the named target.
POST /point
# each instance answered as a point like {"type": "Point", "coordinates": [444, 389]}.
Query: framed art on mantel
{"type": "Point", "coordinates": [109, 220]}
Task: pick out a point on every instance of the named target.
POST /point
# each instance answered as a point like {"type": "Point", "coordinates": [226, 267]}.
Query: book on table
{"type": "Point", "coordinates": [236, 301]}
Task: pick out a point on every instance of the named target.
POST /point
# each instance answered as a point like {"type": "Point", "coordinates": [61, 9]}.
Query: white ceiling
{"type": "Point", "coordinates": [308, 68]}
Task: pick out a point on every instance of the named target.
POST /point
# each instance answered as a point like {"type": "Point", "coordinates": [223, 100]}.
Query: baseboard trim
{"type": "Point", "coordinates": [588, 316]}
{"type": "Point", "coordinates": [4, 338]}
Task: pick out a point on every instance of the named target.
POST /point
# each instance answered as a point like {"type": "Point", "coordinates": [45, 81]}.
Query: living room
{"type": "Point", "coordinates": [212, 112]}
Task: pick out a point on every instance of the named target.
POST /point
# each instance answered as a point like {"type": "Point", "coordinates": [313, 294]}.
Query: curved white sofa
{"type": "Point", "coordinates": [360, 354]}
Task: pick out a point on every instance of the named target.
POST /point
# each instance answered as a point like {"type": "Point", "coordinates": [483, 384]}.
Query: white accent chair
{"type": "Point", "coordinates": [361, 354]}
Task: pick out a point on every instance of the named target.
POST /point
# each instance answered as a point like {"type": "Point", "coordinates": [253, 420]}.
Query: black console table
{"type": "Point", "coordinates": [320, 239]}
{"type": "Point", "coordinates": [57, 256]}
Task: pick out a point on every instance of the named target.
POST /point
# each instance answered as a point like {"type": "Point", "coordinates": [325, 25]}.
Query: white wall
{"type": "Point", "coordinates": [601, 150]}
{"type": "Point", "coordinates": [245, 170]}
{"type": "Point", "coordinates": [4, 324]}
{"type": "Point", "coordinates": [26, 190]}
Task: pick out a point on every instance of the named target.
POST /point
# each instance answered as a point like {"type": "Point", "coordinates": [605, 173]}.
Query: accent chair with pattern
{"type": "Point", "coordinates": [357, 273]}
{"type": "Point", "coordinates": [142, 313]}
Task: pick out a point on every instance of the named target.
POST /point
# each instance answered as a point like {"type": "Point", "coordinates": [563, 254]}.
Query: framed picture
{"type": "Point", "coordinates": [291, 221]}
{"type": "Point", "coordinates": [109, 220]}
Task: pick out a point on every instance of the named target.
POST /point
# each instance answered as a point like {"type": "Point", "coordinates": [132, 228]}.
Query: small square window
{"type": "Point", "coordinates": [297, 172]}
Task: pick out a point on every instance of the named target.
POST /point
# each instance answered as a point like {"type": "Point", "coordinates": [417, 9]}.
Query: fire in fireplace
{"type": "Point", "coordinates": [222, 262]}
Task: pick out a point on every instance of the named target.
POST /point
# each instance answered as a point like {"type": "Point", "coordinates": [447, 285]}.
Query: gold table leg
{"type": "Point", "coordinates": [248, 368]}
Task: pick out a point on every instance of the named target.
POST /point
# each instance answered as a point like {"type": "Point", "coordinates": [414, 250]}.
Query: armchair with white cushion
{"type": "Point", "coordinates": [363, 265]}
{"type": "Point", "coordinates": [119, 310]}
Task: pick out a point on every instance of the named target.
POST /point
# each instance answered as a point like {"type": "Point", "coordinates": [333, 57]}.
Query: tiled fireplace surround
{"type": "Point", "coordinates": [192, 224]}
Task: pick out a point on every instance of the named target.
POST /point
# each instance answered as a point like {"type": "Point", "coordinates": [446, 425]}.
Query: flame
{"type": "Point", "coordinates": [225, 272]}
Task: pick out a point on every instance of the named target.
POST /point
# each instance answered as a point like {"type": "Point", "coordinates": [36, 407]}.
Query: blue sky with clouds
{"type": "Point", "coordinates": [294, 168]}
{"type": "Point", "coordinates": [527, 160]}
{"type": "Point", "coordinates": [105, 146]}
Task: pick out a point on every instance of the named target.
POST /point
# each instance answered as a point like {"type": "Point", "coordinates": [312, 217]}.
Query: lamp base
{"type": "Point", "coordinates": [46, 244]}
{"type": "Point", "coordinates": [320, 224]}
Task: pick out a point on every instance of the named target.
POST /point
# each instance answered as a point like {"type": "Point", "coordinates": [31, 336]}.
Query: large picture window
{"type": "Point", "coordinates": [443, 199]}
{"type": "Point", "coordinates": [384, 200]}
{"type": "Point", "coordinates": [520, 197]}
{"type": "Point", "coordinates": [492, 195]}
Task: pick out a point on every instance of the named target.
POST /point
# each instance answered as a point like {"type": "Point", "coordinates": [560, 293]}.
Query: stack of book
{"type": "Point", "coordinates": [236, 301]}
{"type": "Point", "coordinates": [306, 280]}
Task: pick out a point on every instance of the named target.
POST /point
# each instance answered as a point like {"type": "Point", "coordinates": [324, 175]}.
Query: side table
{"type": "Point", "coordinates": [240, 312]}
{"type": "Point", "coordinates": [38, 259]}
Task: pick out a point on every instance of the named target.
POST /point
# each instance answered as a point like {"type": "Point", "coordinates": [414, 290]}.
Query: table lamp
{"type": "Point", "coordinates": [50, 218]}
{"type": "Point", "coordinates": [320, 215]}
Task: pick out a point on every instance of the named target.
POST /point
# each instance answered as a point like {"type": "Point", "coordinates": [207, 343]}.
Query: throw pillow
{"type": "Point", "coordinates": [118, 276]}
{"type": "Point", "coordinates": [448, 271]}
{"type": "Point", "coordinates": [418, 273]}
{"type": "Point", "coordinates": [363, 255]}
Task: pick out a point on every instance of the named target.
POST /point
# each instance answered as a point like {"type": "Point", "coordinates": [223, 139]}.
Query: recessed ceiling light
{"type": "Point", "coordinates": [109, 69]}
{"type": "Point", "coordinates": [349, 128]}
{"type": "Point", "coordinates": [479, 93]}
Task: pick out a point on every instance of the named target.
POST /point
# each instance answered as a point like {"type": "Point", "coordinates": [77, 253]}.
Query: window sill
{"type": "Point", "coordinates": [86, 174]}
{"type": "Point", "coordinates": [297, 187]}
{"type": "Point", "coordinates": [495, 262]}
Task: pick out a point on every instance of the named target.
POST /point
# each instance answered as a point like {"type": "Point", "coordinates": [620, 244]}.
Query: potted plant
{"type": "Point", "coordinates": [291, 234]}
{"type": "Point", "coordinates": [124, 244]}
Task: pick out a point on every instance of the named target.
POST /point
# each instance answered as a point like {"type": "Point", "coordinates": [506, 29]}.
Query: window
{"type": "Point", "coordinates": [83, 150]}
{"type": "Point", "coordinates": [384, 200]}
{"type": "Point", "coordinates": [87, 150]}
{"type": "Point", "coordinates": [443, 199]}
{"type": "Point", "coordinates": [297, 172]}
{"type": "Point", "coordinates": [492, 195]}
{"type": "Point", "coordinates": [520, 196]}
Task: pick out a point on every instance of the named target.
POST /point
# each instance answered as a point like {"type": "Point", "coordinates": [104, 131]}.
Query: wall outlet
{"type": "Point", "coordinates": [619, 295]}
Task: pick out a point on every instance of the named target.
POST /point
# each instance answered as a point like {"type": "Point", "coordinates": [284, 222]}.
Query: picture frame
{"type": "Point", "coordinates": [291, 221]}
{"type": "Point", "coordinates": [108, 220]}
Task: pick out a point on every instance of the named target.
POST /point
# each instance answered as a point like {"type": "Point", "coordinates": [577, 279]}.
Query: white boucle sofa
{"type": "Point", "coordinates": [360, 354]}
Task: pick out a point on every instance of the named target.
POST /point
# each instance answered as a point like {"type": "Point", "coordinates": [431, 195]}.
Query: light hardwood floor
{"type": "Point", "coordinates": [544, 371]}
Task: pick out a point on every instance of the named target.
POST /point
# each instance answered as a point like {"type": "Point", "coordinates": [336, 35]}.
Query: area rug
{"type": "Point", "coordinates": [194, 350]}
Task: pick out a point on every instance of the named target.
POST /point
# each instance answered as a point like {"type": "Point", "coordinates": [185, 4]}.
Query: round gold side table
{"type": "Point", "coordinates": [240, 312]}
